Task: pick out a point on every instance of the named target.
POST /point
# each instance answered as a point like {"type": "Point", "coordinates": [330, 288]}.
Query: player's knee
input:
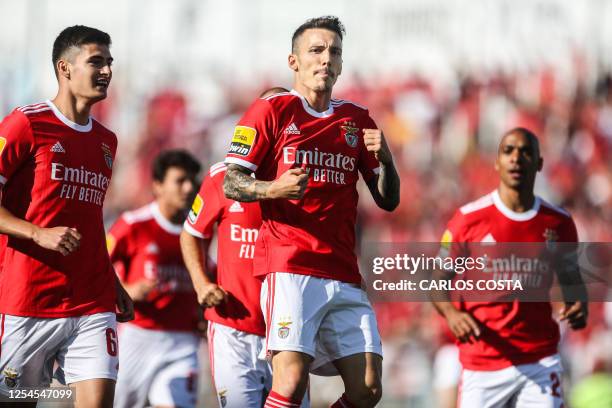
{"type": "Point", "coordinates": [291, 381]}
{"type": "Point", "coordinates": [367, 394]}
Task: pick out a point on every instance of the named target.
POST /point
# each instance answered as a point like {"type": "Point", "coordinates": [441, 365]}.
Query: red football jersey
{"type": "Point", "coordinates": [237, 228]}
{"type": "Point", "coordinates": [55, 173]}
{"type": "Point", "coordinates": [512, 332]}
{"type": "Point", "coordinates": [315, 235]}
{"type": "Point", "coordinates": [145, 245]}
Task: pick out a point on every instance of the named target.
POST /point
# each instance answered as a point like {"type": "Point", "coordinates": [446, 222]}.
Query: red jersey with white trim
{"type": "Point", "coordinates": [315, 235]}
{"type": "Point", "coordinates": [145, 245]}
{"type": "Point", "coordinates": [55, 173]}
{"type": "Point", "coordinates": [512, 332]}
{"type": "Point", "coordinates": [237, 230]}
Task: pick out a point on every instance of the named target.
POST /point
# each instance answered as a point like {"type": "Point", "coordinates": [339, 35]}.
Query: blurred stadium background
{"type": "Point", "coordinates": [442, 78]}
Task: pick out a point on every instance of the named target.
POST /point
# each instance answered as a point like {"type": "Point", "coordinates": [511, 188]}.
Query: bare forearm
{"type": "Point", "coordinates": [242, 187]}
{"type": "Point", "coordinates": [15, 227]}
{"type": "Point", "coordinates": [389, 186]}
{"type": "Point", "coordinates": [194, 252]}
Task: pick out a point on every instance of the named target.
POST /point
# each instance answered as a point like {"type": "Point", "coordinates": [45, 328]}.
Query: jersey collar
{"type": "Point", "coordinates": [163, 222]}
{"type": "Point", "coordinates": [68, 122]}
{"type": "Point", "coordinates": [311, 111]}
{"type": "Point", "coordinates": [513, 215]}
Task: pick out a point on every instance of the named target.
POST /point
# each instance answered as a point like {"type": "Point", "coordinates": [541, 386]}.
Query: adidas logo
{"type": "Point", "coordinates": [58, 148]}
{"type": "Point", "coordinates": [292, 129]}
{"type": "Point", "coordinates": [236, 207]}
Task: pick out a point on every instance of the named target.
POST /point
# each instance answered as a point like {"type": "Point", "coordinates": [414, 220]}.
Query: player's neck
{"type": "Point", "coordinates": [516, 200]}
{"type": "Point", "coordinates": [73, 108]}
{"type": "Point", "coordinates": [319, 101]}
{"type": "Point", "coordinates": [171, 213]}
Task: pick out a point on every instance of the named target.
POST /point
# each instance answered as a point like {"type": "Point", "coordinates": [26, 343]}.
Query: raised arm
{"type": "Point", "coordinates": [240, 186]}
{"type": "Point", "coordinates": [385, 187]}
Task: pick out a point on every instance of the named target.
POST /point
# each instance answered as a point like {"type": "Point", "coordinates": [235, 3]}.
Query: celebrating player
{"type": "Point", "coordinates": [306, 151]}
{"type": "Point", "coordinates": [159, 362]}
{"type": "Point", "coordinates": [58, 292]}
{"type": "Point", "coordinates": [509, 349]}
{"type": "Point", "coordinates": [236, 328]}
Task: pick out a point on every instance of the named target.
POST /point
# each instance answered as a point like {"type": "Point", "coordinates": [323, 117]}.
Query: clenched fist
{"type": "Point", "coordinates": [291, 184]}
{"type": "Point", "coordinates": [61, 239]}
{"type": "Point", "coordinates": [375, 142]}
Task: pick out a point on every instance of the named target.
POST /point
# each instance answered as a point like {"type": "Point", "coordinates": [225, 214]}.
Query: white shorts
{"type": "Point", "coordinates": [535, 385]}
{"type": "Point", "coordinates": [158, 367]}
{"type": "Point", "coordinates": [241, 379]}
{"type": "Point", "coordinates": [324, 318]}
{"type": "Point", "coordinates": [84, 347]}
{"type": "Point", "coordinates": [446, 367]}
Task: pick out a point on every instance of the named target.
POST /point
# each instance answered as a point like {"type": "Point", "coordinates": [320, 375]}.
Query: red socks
{"type": "Point", "coordinates": [343, 402]}
{"type": "Point", "coordinates": [275, 400]}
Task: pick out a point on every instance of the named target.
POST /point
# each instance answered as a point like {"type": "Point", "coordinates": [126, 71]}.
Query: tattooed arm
{"type": "Point", "coordinates": [240, 186]}
{"type": "Point", "coordinates": [385, 187]}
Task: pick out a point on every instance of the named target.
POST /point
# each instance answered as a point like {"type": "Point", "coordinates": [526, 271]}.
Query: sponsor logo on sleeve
{"type": "Point", "coordinates": [196, 208]}
{"type": "Point", "coordinates": [111, 242]}
{"type": "Point", "coordinates": [446, 240]}
{"type": "Point", "coordinates": [243, 140]}
{"type": "Point", "coordinates": [2, 143]}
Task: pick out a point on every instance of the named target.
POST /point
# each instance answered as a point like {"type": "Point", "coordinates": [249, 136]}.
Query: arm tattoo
{"type": "Point", "coordinates": [385, 188]}
{"type": "Point", "coordinates": [240, 186]}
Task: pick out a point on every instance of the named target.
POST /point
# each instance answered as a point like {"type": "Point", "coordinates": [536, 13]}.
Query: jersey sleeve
{"type": "Point", "coordinates": [453, 242]}
{"type": "Point", "coordinates": [253, 136]}
{"type": "Point", "coordinates": [568, 232]}
{"type": "Point", "coordinates": [16, 143]}
{"type": "Point", "coordinates": [206, 209]}
{"type": "Point", "coordinates": [369, 167]}
{"type": "Point", "coordinates": [117, 243]}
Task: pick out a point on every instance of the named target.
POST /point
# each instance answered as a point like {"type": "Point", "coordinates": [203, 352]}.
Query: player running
{"type": "Point", "coordinates": [509, 349]}
{"type": "Point", "coordinates": [236, 328]}
{"type": "Point", "coordinates": [307, 151]}
{"type": "Point", "coordinates": [159, 361]}
{"type": "Point", "coordinates": [58, 291]}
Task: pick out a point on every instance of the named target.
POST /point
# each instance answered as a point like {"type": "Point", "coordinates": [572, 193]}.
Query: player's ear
{"type": "Point", "coordinates": [497, 164]}
{"type": "Point", "coordinates": [540, 163]}
{"type": "Point", "coordinates": [63, 69]}
{"type": "Point", "coordinates": [156, 187]}
{"type": "Point", "coordinates": [292, 62]}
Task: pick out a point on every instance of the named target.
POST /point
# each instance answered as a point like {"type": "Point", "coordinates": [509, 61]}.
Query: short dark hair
{"type": "Point", "coordinates": [174, 158]}
{"type": "Point", "coordinates": [331, 23]}
{"type": "Point", "coordinates": [529, 135]}
{"type": "Point", "coordinates": [272, 91]}
{"type": "Point", "coordinates": [76, 36]}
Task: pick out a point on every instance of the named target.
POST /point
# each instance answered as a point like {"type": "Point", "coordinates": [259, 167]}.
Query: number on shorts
{"type": "Point", "coordinates": [556, 383]}
{"type": "Point", "coordinates": [111, 342]}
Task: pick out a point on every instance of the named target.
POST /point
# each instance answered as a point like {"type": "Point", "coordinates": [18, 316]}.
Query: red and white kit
{"type": "Point", "coordinates": [313, 237]}
{"type": "Point", "coordinates": [55, 172]}
{"type": "Point", "coordinates": [159, 347]}
{"type": "Point", "coordinates": [236, 328]}
{"type": "Point", "coordinates": [518, 344]}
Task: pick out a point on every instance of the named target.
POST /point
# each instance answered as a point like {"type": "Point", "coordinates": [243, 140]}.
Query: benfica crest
{"type": "Point", "coordinates": [283, 330]}
{"type": "Point", "coordinates": [108, 155]}
{"type": "Point", "coordinates": [10, 377]}
{"type": "Point", "coordinates": [350, 133]}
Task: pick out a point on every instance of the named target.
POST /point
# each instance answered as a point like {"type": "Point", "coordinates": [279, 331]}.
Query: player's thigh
{"type": "Point", "coordinates": [175, 385]}
{"type": "Point", "coordinates": [240, 378]}
{"type": "Point", "coordinates": [542, 385]}
{"type": "Point", "coordinates": [360, 372]}
{"type": "Point", "coordinates": [92, 350]}
{"type": "Point", "coordinates": [27, 350]}
{"type": "Point", "coordinates": [94, 393]}
{"type": "Point", "coordinates": [488, 389]}
{"type": "Point", "coordinates": [294, 307]}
